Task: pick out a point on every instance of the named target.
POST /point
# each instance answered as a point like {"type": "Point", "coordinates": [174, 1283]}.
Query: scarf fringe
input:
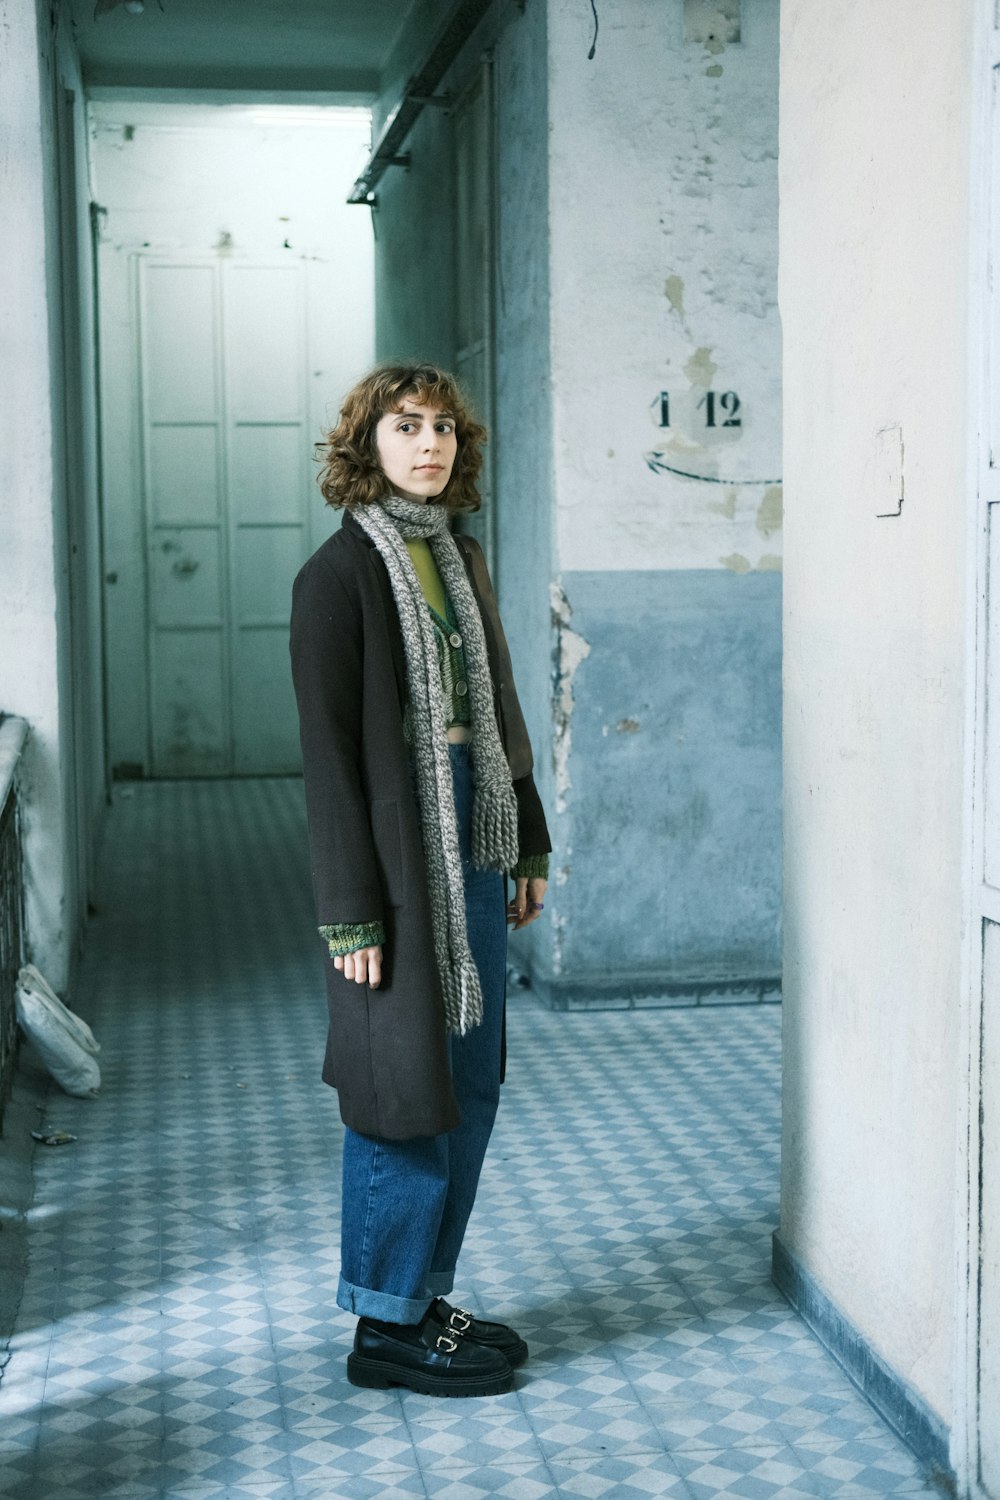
{"type": "Point", "coordinates": [463, 996]}
{"type": "Point", "coordinates": [494, 829]}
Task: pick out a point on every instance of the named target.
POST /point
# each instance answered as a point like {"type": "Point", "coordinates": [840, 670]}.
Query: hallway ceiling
{"type": "Point", "coordinates": [258, 45]}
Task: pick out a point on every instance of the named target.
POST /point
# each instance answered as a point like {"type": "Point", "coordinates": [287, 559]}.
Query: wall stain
{"type": "Point", "coordinates": [700, 368]}
{"type": "Point", "coordinates": [769, 512]}
{"type": "Point", "coordinates": [715, 71]}
{"type": "Point", "coordinates": [569, 651]}
{"type": "Point", "coordinates": [673, 290]}
{"type": "Point", "coordinates": [726, 507]}
{"type": "Point", "coordinates": [769, 563]}
{"type": "Point", "coordinates": [185, 567]}
{"type": "Point", "coordinates": [627, 726]}
{"type": "Point", "coordinates": [736, 562]}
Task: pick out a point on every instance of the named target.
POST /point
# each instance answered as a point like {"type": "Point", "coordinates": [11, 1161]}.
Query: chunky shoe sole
{"type": "Point", "coordinates": [379, 1375]}
{"type": "Point", "coordinates": [515, 1355]}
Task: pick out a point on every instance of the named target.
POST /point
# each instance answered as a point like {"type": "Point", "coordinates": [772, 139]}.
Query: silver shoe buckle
{"type": "Point", "coordinates": [446, 1342]}
{"type": "Point", "coordinates": [460, 1320]}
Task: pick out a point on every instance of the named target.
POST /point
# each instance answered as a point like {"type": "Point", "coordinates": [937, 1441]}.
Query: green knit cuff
{"type": "Point", "coordinates": [532, 867]}
{"type": "Point", "coordinates": [349, 937]}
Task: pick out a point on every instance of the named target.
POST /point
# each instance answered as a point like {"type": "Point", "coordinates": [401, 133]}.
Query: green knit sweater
{"type": "Point", "coordinates": [349, 937]}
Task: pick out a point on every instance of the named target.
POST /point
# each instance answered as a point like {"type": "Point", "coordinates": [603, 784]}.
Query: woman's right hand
{"type": "Point", "coordinates": [364, 966]}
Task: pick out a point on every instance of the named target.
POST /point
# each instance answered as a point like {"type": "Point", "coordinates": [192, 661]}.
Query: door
{"type": "Point", "coordinates": [225, 476]}
{"type": "Point", "coordinates": [472, 135]}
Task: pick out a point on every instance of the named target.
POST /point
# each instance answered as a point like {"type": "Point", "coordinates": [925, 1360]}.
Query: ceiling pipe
{"type": "Point", "coordinates": [419, 92]}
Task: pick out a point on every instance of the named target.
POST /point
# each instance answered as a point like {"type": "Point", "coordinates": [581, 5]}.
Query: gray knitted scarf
{"type": "Point", "coordinates": [494, 809]}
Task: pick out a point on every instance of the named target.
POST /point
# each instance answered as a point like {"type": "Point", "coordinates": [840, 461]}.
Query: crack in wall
{"type": "Point", "coordinates": [569, 651]}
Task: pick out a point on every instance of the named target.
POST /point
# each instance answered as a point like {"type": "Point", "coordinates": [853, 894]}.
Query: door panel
{"type": "Point", "coordinates": [184, 473]}
{"type": "Point", "coordinates": [267, 559]}
{"type": "Point", "coordinates": [263, 701]}
{"type": "Point", "coordinates": [227, 486]}
{"type": "Point", "coordinates": [268, 494]}
{"type": "Point", "coordinates": [179, 346]}
{"type": "Point", "coordinates": [264, 317]}
{"type": "Point", "coordinates": [189, 729]}
{"type": "Point", "coordinates": [265, 467]}
{"type": "Point", "coordinates": [179, 304]}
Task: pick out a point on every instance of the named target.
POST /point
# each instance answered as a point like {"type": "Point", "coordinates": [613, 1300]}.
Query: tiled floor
{"type": "Point", "coordinates": [178, 1335]}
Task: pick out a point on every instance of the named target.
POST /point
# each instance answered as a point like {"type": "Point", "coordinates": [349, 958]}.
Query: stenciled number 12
{"type": "Point", "coordinates": [727, 402]}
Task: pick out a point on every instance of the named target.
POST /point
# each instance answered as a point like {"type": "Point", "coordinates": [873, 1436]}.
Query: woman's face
{"type": "Point", "coordinates": [416, 449]}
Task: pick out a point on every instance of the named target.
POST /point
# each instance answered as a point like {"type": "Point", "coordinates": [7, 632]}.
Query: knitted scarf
{"type": "Point", "coordinates": [494, 809]}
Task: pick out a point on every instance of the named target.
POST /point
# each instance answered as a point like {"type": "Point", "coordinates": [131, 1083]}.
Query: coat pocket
{"type": "Point", "coordinates": [388, 851]}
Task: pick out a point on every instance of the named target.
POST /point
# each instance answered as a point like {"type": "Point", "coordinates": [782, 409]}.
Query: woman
{"type": "Point", "coordinates": [420, 801]}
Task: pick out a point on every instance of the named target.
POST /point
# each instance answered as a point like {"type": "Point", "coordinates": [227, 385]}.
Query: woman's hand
{"type": "Point", "coordinates": [364, 966]}
{"type": "Point", "coordinates": [529, 896]}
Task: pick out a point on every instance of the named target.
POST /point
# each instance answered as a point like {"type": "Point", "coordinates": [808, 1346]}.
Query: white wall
{"type": "Point", "coordinates": [48, 674]}
{"type": "Point", "coordinates": [873, 286]}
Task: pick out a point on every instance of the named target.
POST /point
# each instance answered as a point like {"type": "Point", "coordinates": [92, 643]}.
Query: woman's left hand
{"type": "Point", "coordinates": [529, 896]}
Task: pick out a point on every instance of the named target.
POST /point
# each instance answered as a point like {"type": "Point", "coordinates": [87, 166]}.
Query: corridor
{"type": "Point", "coordinates": [178, 1335]}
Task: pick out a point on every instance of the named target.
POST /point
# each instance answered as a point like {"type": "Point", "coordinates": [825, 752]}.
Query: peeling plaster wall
{"type": "Point", "coordinates": [668, 789]}
{"type": "Point", "coordinates": [636, 254]}
{"type": "Point", "coordinates": [874, 308]}
{"type": "Point", "coordinates": [664, 251]}
{"type": "Point", "coordinates": [666, 589]}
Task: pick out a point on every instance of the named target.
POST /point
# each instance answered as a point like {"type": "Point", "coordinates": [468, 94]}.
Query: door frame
{"type": "Point", "coordinates": [981, 902]}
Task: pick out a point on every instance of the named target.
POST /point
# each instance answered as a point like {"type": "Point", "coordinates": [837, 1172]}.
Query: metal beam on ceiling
{"type": "Point", "coordinates": [420, 91]}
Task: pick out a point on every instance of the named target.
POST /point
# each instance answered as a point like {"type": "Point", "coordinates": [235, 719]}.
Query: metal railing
{"type": "Point", "coordinates": [12, 736]}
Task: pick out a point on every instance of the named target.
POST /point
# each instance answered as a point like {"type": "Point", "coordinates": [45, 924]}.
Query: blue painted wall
{"type": "Point", "coordinates": [667, 872]}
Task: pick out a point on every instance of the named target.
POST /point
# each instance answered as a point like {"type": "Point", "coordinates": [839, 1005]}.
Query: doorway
{"type": "Point", "coordinates": [235, 307]}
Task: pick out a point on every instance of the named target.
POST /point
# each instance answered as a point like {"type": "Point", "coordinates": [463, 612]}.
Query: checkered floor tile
{"type": "Point", "coordinates": [178, 1334]}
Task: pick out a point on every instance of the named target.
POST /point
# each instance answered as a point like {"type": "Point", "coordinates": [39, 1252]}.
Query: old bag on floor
{"type": "Point", "coordinates": [66, 1044]}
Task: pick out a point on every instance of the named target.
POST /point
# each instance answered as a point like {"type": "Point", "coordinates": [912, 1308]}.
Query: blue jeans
{"type": "Point", "coordinates": [405, 1204]}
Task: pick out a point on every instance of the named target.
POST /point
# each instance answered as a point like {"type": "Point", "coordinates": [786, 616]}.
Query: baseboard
{"type": "Point", "coordinates": [648, 991]}
{"type": "Point", "coordinates": [905, 1411]}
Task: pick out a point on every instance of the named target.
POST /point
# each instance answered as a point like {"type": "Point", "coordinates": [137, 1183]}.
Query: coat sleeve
{"type": "Point", "coordinates": [532, 830]}
{"type": "Point", "coordinates": [327, 671]}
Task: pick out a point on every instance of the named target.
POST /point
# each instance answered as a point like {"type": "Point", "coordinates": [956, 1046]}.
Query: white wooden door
{"type": "Point", "coordinates": [226, 479]}
{"type": "Point", "coordinates": [472, 135]}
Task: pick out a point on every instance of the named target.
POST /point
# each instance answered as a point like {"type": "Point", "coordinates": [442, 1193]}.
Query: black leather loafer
{"type": "Point", "coordinates": [433, 1360]}
{"type": "Point", "coordinates": [491, 1335]}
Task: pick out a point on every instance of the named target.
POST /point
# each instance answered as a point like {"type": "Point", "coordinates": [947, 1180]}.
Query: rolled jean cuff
{"type": "Point", "coordinates": [440, 1283]}
{"type": "Point", "coordinates": [365, 1303]}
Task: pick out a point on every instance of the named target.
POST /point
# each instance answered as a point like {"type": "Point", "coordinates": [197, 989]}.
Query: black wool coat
{"type": "Point", "coordinates": [387, 1051]}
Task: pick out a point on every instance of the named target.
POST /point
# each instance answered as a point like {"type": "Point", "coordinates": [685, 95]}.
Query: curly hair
{"type": "Point", "coordinates": [351, 474]}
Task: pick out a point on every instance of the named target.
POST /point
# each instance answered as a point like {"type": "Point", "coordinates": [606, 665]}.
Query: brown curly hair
{"type": "Point", "coordinates": [351, 474]}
